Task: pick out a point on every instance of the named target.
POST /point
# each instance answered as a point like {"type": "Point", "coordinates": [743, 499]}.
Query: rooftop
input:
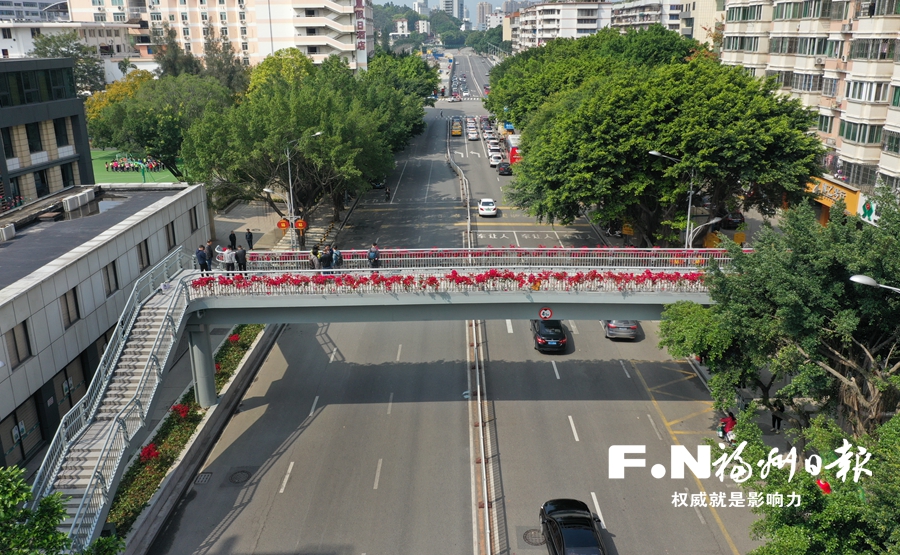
{"type": "Point", "coordinates": [39, 242]}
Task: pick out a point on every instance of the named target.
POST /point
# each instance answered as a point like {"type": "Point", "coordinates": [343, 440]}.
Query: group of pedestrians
{"type": "Point", "coordinates": [233, 258]}
{"type": "Point", "coordinates": [329, 258]}
{"type": "Point", "coordinates": [248, 237]}
{"type": "Point", "coordinates": [126, 164]}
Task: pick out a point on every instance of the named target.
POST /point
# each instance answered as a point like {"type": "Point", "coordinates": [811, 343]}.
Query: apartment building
{"type": "Point", "coordinates": [255, 28]}
{"type": "Point", "coordinates": [423, 26]}
{"type": "Point", "coordinates": [641, 14]}
{"type": "Point", "coordinates": [33, 11]}
{"type": "Point", "coordinates": [44, 133]}
{"type": "Point", "coordinates": [453, 8]}
{"type": "Point", "coordinates": [511, 29]}
{"type": "Point", "coordinates": [841, 59]}
{"type": "Point", "coordinates": [541, 23]}
{"type": "Point", "coordinates": [483, 10]}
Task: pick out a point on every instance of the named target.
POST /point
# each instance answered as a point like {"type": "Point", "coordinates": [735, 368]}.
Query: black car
{"type": "Point", "coordinates": [549, 335]}
{"type": "Point", "coordinates": [570, 528]}
{"type": "Point", "coordinates": [732, 220]}
{"type": "Point", "coordinates": [503, 168]}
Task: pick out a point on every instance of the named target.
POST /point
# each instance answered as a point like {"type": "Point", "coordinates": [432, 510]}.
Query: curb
{"type": "Point", "coordinates": [167, 497]}
{"type": "Point", "coordinates": [701, 373]}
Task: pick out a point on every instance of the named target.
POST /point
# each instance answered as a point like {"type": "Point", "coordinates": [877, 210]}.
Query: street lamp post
{"type": "Point", "coordinates": [688, 235]}
{"type": "Point", "coordinates": [292, 218]}
{"type": "Point", "coordinates": [866, 280]}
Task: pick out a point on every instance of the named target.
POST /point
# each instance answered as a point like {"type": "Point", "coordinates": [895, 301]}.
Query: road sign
{"type": "Point", "coordinates": [740, 237]}
{"type": "Point", "coordinates": [545, 313]}
{"type": "Point", "coordinates": [627, 229]}
{"type": "Point", "coordinates": [508, 126]}
{"type": "Point", "coordinates": [284, 224]}
{"type": "Point", "coordinates": [301, 224]}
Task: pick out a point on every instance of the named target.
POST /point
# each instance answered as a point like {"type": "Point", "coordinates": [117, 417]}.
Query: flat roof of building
{"type": "Point", "coordinates": [40, 242]}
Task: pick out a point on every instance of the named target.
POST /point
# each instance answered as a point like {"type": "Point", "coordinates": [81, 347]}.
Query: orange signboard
{"type": "Point", "coordinates": [301, 224]}
{"type": "Point", "coordinates": [284, 224]}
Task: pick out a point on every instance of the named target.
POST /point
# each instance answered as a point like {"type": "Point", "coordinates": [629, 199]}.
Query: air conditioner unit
{"type": "Point", "coordinates": [847, 28]}
{"type": "Point", "coordinates": [243, 37]}
{"type": "Point", "coordinates": [844, 59]}
{"type": "Point", "coordinates": [100, 9]}
{"type": "Point", "coordinates": [820, 61]}
{"type": "Point", "coordinates": [121, 8]}
{"type": "Point", "coordinates": [830, 142]}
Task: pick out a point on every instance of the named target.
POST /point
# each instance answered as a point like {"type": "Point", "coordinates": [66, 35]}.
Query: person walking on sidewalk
{"type": "Point", "coordinates": [777, 411]}
{"type": "Point", "coordinates": [387, 194]}
{"type": "Point", "coordinates": [249, 238]}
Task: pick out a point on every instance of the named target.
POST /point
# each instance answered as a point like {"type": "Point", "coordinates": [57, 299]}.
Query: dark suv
{"type": "Point", "coordinates": [503, 168]}
{"type": "Point", "coordinates": [549, 335]}
{"type": "Point", "coordinates": [570, 528]}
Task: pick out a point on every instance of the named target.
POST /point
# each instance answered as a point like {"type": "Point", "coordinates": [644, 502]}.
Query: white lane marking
{"type": "Point", "coordinates": [555, 371]}
{"type": "Point", "coordinates": [428, 183]}
{"type": "Point", "coordinates": [399, 180]}
{"type": "Point", "coordinates": [509, 326]}
{"type": "Point", "coordinates": [517, 239]}
{"type": "Point", "coordinates": [287, 476]}
{"type": "Point", "coordinates": [558, 239]}
{"type": "Point", "coordinates": [574, 432]}
{"type": "Point", "coordinates": [622, 362]}
{"type": "Point", "coordinates": [697, 509]}
{"type": "Point", "coordinates": [655, 429]}
{"type": "Point", "coordinates": [313, 409]}
{"type": "Point", "coordinates": [471, 416]}
{"type": "Point", "coordinates": [334, 352]}
{"type": "Point", "coordinates": [377, 474]}
{"type": "Point", "coordinates": [574, 327]}
{"type": "Point", "coordinates": [399, 347]}
{"type": "Point", "coordinates": [390, 402]}
{"type": "Point", "coordinates": [597, 510]}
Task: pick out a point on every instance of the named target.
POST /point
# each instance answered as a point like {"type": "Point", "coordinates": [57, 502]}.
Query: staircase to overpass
{"type": "Point", "coordinates": [92, 446]}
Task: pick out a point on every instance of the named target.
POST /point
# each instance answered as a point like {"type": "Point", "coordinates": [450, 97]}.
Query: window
{"type": "Point", "coordinates": [29, 82]}
{"type": "Point", "coordinates": [311, 31]}
{"type": "Point", "coordinates": [310, 13]}
{"type": "Point", "coordinates": [143, 250]}
{"type": "Point", "coordinates": [35, 32]}
{"type": "Point", "coordinates": [99, 17]}
{"type": "Point", "coordinates": [205, 30]}
{"type": "Point", "coordinates": [246, 62]}
{"type": "Point", "coordinates": [860, 132]}
{"type": "Point", "coordinates": [312, 49]}
{"type": "Point", "coordinates": [829, 86]}
{"type": "Point", "coordinates": [243, 31]}
{"type": "Point", "coordinates": [7, 33]}
{"type": "Point", "coordinates": [119, 17]}
{"type": "Point", "coordinates": [62, 133]}
{"type": "Point", "coordinates": [872, 49]}
{"type": "Point", "coordinates": [242, 16]}
{"type": "Point", "coordinates": [223, 32]}
{"type": "Point", "coordinates": [33, 130]}
{"type": "Point", "coordinates": [68, 303]}
{"type": "Point", "coordinates": [186, 32]}
{"type": "Point", "coordinates": [110, 278]}
{"type": "Point", "coordinates": [895, 101]}
{"type": "Point", "coordinates": [195, 220]}
{"type": "Point", "coordinates": [68, 175]}
{"type": "Point", "coordinates": [184, 16]}
{"type": "Point", "coordinates": [41, 184]}
{"type": "Point", "coordinates": [825, 123]}
{"type": "Point", "coordinates": [170, 235]}
{"type": "Point", "coordinates": [806, 83]}
{"type": "Point", "coordinates": [245, 46]}
{"type": "Point", "coordinates": [204, 17]}
{"type": "Point", "coordinates": [587, 13]}
{"type": "Point", "coordinates": [223, 16]}
{"type": "Point", "coordinates": [155, 16]}
{"type": "Point", "coordinates": [8, 149]}
{"type": "Point", "coordinates": [747, 44]}
{"type": "Point", "coordinates": [867, 92]}
{"type": "Point", "coordinates": [891, 142]}
{"type": "Point", "coordinates": [187, 47]}
{"type": "Point", "coordinates": [17, 345]}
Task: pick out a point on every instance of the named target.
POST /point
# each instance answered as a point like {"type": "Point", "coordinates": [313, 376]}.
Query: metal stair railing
{"type": "Point", "coordinates": [127, 423]}
{"type": "Point", "coordinates": [82, 414]}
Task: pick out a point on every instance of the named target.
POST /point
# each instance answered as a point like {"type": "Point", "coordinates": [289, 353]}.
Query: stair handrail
{"type": "Point", "coordinates": [130, 419]}
{"type": "Point", "coordinates": [82, 413]}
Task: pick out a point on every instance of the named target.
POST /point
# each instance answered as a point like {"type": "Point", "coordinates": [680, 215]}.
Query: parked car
{"type": "Point", "coordinates": [571, 529]}
{"type": "Point", "coordinates": [732, 220]}
{"type": "Point", "coordinates": [549, 335]}
{"type": "Point", "coordinates": [620, 329]}
{"type": "Point", "coordinates": [495, 160]}
{"type": "Point", "coordinates": [487, 207]}
{"type": "Point", "coordinates": [504, 168]}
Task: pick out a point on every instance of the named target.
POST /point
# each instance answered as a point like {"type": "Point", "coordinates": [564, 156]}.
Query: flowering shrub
{"type": "Point", "coordinates": [234, 338]}
{"type": "Point", "coordinates": [181, 410]}
{"type": "Point", "coordinates": [149, 452]}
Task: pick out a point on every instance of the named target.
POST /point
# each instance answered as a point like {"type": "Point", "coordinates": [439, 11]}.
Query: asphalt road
{"type": "Point", "coordinates": [354, 438]}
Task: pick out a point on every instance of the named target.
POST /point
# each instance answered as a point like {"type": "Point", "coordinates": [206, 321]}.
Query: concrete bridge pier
{"type": "Point", "coordinates": [203, 366]}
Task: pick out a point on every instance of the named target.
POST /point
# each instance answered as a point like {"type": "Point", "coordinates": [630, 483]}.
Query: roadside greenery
{"type": "Point", "coordinates": [144, 476]}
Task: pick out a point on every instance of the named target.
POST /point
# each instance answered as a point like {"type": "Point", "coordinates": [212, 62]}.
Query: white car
{"type": "Point", "coordinates": [466, 93]}
{"type": "Point", "coordinates": [487, 207]}
{"type": "Point", "coordinates": [495, 159]}
{"type": "Point", "coordinates": [473, 136]}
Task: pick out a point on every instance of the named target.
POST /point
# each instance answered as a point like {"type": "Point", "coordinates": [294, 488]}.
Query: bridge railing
{"type": "Point", "coordinates": [513, 257]}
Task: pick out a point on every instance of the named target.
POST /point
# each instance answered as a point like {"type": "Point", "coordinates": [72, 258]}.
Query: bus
{"type": "Point", "coordinates": [512, 148]}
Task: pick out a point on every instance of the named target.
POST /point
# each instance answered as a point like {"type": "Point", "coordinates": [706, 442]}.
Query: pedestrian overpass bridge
{"type": "Point", "coordinates": [93, 444]}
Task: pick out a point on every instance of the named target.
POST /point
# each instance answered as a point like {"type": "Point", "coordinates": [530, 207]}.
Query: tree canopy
{"type": "Point", "coordinates": [89, 73]}
{"type": "Point", "coordinates": [172, 58]}
{"type": "Point", "coordinates": [221, 61]}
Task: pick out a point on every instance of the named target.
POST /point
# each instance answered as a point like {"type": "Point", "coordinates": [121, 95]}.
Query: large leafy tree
{"type": "Point", "coordinates": [286, 67]}
{"type": "Point", "coordinates": [172, 58]}
{"type": "Point", "coordinates": [587, 149]}
{"type": "Point", "coordinates": [221, 61]}
{"type": "Point", "coordinates": [787, 322]}
{"type": "Point", "coordinates": [89, 73]}
{"type": "Point", "coordinates": [117, 91]}
{"type": "Point", "coordinates": [153, 121]}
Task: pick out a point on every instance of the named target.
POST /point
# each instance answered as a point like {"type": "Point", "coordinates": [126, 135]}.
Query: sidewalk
{"type": "Point", "coordinates": [262, 220]}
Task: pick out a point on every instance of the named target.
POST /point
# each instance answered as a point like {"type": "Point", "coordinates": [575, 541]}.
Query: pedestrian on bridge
{"type": "Point", "coordinates": [202, 261]}
{"type": "Point", "coordinates": [232, 241]}
{"type": "Point", "coordinates": [373, 256]}
{"type": "Point", "coordinates": [229, 259]}
{"type": "Point", "coordinates": [210, 254]}
{"type": "Point", "coordinates": [240, 256]}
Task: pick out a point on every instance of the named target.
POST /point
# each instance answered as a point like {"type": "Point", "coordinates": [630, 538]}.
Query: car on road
{"type": "Point", "coordinates": [454, 99]}
{"type": "Point", "coordinates": [377, 183]}
{"type": "Point", "coordinates": [548, 335]}
{"type": "Point", "coordinates": [489, 136]}
{"type": "Point", "coordinates": [504, 168]}
{"type": "Point", "coordinates": [466, 92]}
{"type": "Point", "coordinates": [495, 160]}
{"type": "Point", "coordinates": [732, 220]}
{"type": "Point", "coordinates": [487, 207]}
{"type": "Point", "coordinates": [472, 136]}
{"type": "Point", "coordinates": [620, 329]}
{"type": "Point", "coordinates": [570, 529]}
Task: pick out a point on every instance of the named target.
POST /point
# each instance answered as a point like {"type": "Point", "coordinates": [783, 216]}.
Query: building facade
{"type": "Point", "coordinates": [59, 308]}
{"type": "Point", "coordinates": [483, 10]}
{"type": "Point", "coordinates": [511, 29]}
{"type": "Point", "coordinates": [44, 133]}
{"type": "Point", "coordinates": [33, 11]}
{"type": "Point", "coordinates": [452, 8]}
{"type": "Point", "coordinates": [641, 14]}
{"type": "Point", "coordinates": [839, 58]}
{"type": "Point", "coordinates": [541, 23]}
{"type": "Point", "coordinates": [256, 29]}
{"type": "Point", "coordinates": [423, 26]}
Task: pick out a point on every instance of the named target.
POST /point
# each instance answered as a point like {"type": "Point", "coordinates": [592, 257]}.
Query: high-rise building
{"type": "Point", "coordinates": [541, 23]}
{"type": "Point", "coordinates": [511, 6]}
{"type": "Point", "coordinates": [255, 28]}
{"type": "Point", "coordinates": [483, 10]}
{"type": "Point", "coordinates": [421, 8]}
{"type": "Point", "coordinates": [840, 59]}
{"type": "Point", "coordinates": [453, 8]}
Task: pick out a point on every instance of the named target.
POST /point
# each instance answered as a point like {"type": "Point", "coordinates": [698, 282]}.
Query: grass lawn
{"type": "Point", "coordinates": [100, 157]}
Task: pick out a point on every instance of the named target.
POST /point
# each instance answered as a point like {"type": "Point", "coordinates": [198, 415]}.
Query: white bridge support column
{"type": "Point", "coordinates": [203, 366]}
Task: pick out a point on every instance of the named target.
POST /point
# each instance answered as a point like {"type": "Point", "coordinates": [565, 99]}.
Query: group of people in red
{"type": "Point", "coordinates": [126, 164]}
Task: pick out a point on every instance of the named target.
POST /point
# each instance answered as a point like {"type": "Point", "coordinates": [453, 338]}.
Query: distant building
{"type": "Point", "coordinates": [34, 11]}
{"type": "Point", "coordinates": [44, 133]}
{"type": "Point", "coordinates": [511, 6]}
{"type": "Point", "coordinates": [641, 14]}
{"type": "Point", "coordinates": [420, 8]}
{"type": "Point", "coordinates": [423, 26]}
{"type": "Point", "coordinates": [483, 10]}
{"type": "Point", "coordinates": [541, 23]}
{"type": "Point", "coordinates": [511, 29]}
{"type": "Point", "coordinates": [453, 8]}
{"type": "Point", "coordinates": [494, 19]}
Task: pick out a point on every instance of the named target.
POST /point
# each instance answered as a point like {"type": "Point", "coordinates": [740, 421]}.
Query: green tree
{"type": "Point", "coordinates": [587, 149]}
{"type": "Point", "coordinates": [171, 57]}
{"type": "Point", "coordinates": [285, 67]}
{"type": "Point", "coordinates": [125, 66]}
{"type": "Point", "coordinates": [787, 322]}
{"type": "Point", "coordinates": [24, 531]}
{"type": "Point", "coordinates": [153, 122]}
{"type": "Point", "coordinates": [117, 91]}
{"type": "Point", "coordinates": [89, 73]}
{"type": "Point", "coordinates": [222, 62]}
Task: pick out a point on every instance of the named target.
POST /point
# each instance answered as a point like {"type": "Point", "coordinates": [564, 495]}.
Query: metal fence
{"type": "Point", "coordinates": [593, 258]}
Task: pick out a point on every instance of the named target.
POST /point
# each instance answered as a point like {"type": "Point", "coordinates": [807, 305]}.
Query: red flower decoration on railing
{"type": "Point", "coordinates": [149, 452]}
{"type": "Point", "coordinates": [181, 409]}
